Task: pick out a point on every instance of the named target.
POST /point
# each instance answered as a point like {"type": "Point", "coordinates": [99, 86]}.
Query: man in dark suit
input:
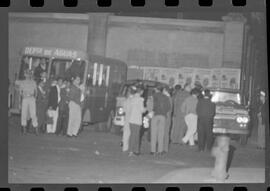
{"type": "Point", "coordinates": [53, 102]}
{"type": "Point", "coordinates": [206, 111]}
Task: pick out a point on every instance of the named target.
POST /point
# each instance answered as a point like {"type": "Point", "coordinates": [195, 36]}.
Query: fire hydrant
{"type": "Point", "coordinates": [220, 152]}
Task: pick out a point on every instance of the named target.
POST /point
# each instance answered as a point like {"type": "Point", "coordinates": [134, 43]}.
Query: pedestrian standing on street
{"type": "Point", "coordinates": [28, 91]}
{"type": "Point", "coordinates": [62, 122]}
{"type": "Point", "coordinates": [189, 109]}
{"type": "Point", "coordinates": [261, 121]}
{"type": "Point", "coordinates": [135, 109]}
{"type": "Point", "coordinates": [161, 108]}
{"type": "Point", "coordinates": [41, 104]}
{"type": "Point", "coordinates": [126, 128]}
{"type": "Point", "coordinates": [53, 103]}
{"type": "Point", "coordinates": [75, 94]}
{"type": "Point", "coordinates": [168, 122]}
{"type": "Point", "coordinates": [179, 125]}
{"type": "Point", "coordinates": [206, 110]}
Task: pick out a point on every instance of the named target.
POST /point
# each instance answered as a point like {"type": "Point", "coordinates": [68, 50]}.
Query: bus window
{"type": "Point", "coordinates": [107, 78]}
{"type": "Point", "coordinates": [100, 75]}
{"type": "Point", "coordinates": [90, 74]}
{"type": "Point", "coordinates": [67, 68]}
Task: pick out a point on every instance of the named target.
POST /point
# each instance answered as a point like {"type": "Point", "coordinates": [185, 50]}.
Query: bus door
{"type": "Point", "coordinates": [97, 83]}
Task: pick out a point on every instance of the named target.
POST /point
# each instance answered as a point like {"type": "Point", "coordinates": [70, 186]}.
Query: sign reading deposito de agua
{"type": "Point", "coordinates": [53, 52]}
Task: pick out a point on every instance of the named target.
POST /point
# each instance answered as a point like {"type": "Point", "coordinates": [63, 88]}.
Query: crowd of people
{"type": "Point", "coordinates": [53, 105]}
{"type": "Point", "coordinates": [183, 116]}
{"type": "Point", "coordinates": [179, 117]}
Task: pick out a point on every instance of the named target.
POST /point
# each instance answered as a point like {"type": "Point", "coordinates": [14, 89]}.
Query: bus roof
{"type": "Point", "coordinates": [51, 52]}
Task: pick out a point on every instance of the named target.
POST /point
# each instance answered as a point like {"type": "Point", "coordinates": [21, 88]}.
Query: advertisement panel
{"type": "Point", "coordinates": [230, 78]}
{"type": "Point", "coordinates": [209, 78]}
{"type": "Point", "coordinates": [215, 77]}
{"type": "Point", "coordinates": [203, 76]}
{"type": "Point", "coordinates": [151, 73]}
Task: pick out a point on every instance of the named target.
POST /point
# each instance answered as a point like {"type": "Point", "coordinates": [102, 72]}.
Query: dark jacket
{"type": "Point", "coordinates": [262, 110]}
{"type": "Point", "coordinates": [206, 108]}
{"type": "Point", "coordinates": [161, 104]}
{"type": "Point", "coordinates": [53, 98]}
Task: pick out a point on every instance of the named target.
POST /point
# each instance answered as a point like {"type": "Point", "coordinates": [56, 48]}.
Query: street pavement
{"type": "Point", "coordinates": [96, 157]}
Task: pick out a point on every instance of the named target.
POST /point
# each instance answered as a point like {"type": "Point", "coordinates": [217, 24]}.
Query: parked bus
{"type": "Point", "coordinates": [101, 76]}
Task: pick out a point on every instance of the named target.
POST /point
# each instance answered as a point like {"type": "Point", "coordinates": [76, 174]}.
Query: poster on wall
{"type": "Point", "coordinates": [168, 76]}
{"type": "Point", "coordinates": [151, 73]}
{"type": "Point", "coordinates": [188, 75]}
{"type": "Point", "coordinates": [202, 77]}
{"type": "Point", "coordinates": [230, 78]}
{"type": "Point", "coordinates": [215, 78]}
{"type": "Point", "coordinates": [181, 77]}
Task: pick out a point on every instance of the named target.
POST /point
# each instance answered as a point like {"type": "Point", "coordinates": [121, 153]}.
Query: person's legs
{"type": "Point", "coordinates": [137, 129]}
{"type": "Point", "coordinates": [261, 134]}
{"type": "Point", "coordinates": [193, 128]}
{"type": "Point", "coordinates": [50, 126]}
{"type": "Point", "coordinates": [78, 118]}
{"type": "Point", "coordinates": [209, 134]}
{"type": "Point", "coordinates": [166, 135]}
{"type": "Point", "coordinates": [126, 136]}
{"type": "Point", "coordinates": [154, 124]}
{"type": "Point", "coordinates": [186, 138]}
{"type": "Point", "coordinates": [70, 120]}
{"type": "Point", "coordinates": [24, 112]}
{"type": "Point", "coordinates": [175, 132]}
{"type": "Point", "coordinates": [201, 135]}
{"type": "Point", "coordinates": [161, 130]}
{"type": "Point", "coordinates": [132, 137]}
{"type": "Point", "coordinates": [182, 127]}
{"type": "Point", "coordinates": [55, 118]}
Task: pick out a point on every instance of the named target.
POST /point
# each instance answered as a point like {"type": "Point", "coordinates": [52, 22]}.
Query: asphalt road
{"type": "Point", "coordinates": [96, 157]}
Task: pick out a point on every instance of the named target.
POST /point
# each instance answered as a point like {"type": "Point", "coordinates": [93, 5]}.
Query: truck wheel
{"type": "Point", "coordinates": [243, 139]}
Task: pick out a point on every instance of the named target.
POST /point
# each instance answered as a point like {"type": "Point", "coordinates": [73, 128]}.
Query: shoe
{"type": "Point", "coordinates": [152, 153]}
{"type": "Point", "coordinates": [121, 144]}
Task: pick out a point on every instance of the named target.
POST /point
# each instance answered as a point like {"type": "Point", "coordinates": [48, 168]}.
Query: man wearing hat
{"type": "Point", "coordinates": [28, 91]}
{"type": "Point", "coordinates": [206, 112]}
{"type": "Point", "coordinates": [261, 121]}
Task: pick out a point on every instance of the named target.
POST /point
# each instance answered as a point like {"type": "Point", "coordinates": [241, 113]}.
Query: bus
{"type": "Point", "coordinates": [101, 76]}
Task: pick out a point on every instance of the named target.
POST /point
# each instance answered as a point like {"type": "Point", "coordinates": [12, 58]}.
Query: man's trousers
{"type": "Point", "coordinates": [134, 141]}
{"type": "Point", "coordinates": [191, 121]}
{"type": "Point", "coordinates": [29, 107]}
{"type": "Point", "coordinates": [205, 135]}
{"type": "Point", "coordinates": [75, 118]}
{"type": "Point", "coordinates": [157, 132]}
{"type": "Point", "coordinates": [126, 136]}
{"type": "Point", "coordinates": [178, 128]}
{"type": "Point", "coordinates": [51, 128]}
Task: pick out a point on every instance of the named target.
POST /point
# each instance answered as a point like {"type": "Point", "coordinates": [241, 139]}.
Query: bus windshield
{"type": "Point", "coordinates": [36, 64]}
{"type": "Point", "coordinates": [67, 68]}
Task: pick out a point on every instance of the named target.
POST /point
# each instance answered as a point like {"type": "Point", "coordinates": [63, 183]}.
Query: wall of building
{"type": "Point", "coordinates": [150, 42]}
